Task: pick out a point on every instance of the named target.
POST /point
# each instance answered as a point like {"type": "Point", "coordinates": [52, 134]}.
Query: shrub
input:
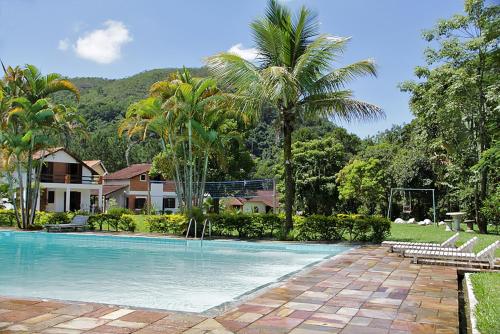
{"type": "Point", "coordinates": [245, 225]}
{"type": "Point", "coordinates": [7, 217]}
{"type": "Point", "coordinates": [172, 223]}
{"type": "Point", "coordinates": [118, 211]}
{"type": "Point", "coordinates": [42, 218]}
{"type": "Point", "coordinates": [114, 221]}
{"type": "Point", "coordinates": [351, 227]}
{"type": "Point", "coordinates": [127, 223]}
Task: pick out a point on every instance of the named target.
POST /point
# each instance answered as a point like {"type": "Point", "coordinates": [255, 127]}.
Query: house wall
{"type": "Point", "coordinates": [248, 207]}
{"type": "Point", "coordinates": [119, 196]}
{"type": "Point", "coordinates": [137, 185]}
{"type": "Point", "coordinates": [63, 157]}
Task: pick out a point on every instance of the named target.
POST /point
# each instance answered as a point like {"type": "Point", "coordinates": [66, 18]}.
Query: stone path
{"type": "Point", "coordinates": [366, 290]}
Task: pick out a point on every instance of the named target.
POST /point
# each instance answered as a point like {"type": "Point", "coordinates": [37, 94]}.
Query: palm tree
{"type": "Point", "coordinates": [188, 116]}
{"type": "Point", "coordinates": [31, 122]}
{"type": "Point", "coordinates": [293, 75]}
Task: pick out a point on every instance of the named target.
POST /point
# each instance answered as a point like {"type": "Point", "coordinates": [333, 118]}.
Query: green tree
{"type": "Point", "coordinates": [318, 161]}
{"type": "Point", "coordinates": [293, 75]}
{"type": "Point", "coordinates": [31, 122]}
{"type": "Point", "coordinates": [361, 182]}
{"type": "Point", "coordinates": [455, 100]}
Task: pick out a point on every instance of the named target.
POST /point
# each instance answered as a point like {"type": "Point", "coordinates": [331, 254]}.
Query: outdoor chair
{"type": "Point", "coordinates": [77, 223]}
{"type": "Point", "coordinates": [447, 243]}
{"type": "Point", "coordinates": [486, 255]}
{"type": "Point", "coordinates": [466, 247]}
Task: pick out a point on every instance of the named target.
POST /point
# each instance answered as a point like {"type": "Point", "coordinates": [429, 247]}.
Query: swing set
{"type": "Point", "coordinates": [407, 202]}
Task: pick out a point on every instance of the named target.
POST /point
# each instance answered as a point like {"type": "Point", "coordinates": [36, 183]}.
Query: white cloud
{"type": "Point", "coordinates": [103, 45]}
{"type": "Point", "coordinates": [63, 44]}
{"type": "Point", "coordinates": [248, 54]}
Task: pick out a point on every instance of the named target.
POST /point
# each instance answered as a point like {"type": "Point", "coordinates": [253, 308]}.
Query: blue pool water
{"type": "Point", "coordinates": [145, 272]}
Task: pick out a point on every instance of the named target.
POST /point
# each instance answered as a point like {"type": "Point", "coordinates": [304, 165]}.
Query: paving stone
{"type": "Point", "coordinates": [117, 314]}
{"type": "Point", "coordinates": [82, 323]}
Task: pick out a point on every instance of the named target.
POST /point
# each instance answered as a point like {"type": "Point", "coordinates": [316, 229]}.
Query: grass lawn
{"type": "Point", "coordinates": [431, 233]}
{"type": "Point", "coordinates": [487, 291]}
{"type": "Point", "coordinates": [141, 225]}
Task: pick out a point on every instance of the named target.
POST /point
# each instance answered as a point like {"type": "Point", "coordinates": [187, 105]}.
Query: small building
{"type": "Point", "coordinates": [66, 182]}
{"type": "Point", "coordinates": [264, 201]}
{"type": "Point", "coordinates": [132, 188]}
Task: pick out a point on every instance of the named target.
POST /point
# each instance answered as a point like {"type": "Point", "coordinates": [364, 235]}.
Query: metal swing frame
{"type": "Point", "coordinates": [393, 190]}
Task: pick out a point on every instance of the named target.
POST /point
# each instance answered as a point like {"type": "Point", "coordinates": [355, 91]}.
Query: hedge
{"type": "Point", "coordinates": [7, 217]}
{"type": "Point", "coordinates": [122, 222]}
{"type": "Point", "coordinates": [350, 227]}
{"type": "Point", "coordinates": [170, 223]}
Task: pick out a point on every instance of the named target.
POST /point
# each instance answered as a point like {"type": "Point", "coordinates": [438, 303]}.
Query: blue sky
{"type": "Point", "coordinates": [118, 38]}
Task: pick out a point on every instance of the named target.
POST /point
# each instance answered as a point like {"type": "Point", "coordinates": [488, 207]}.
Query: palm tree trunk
{"type": "Point", "coordinates": [190, 162]}
{"type": "Point", "coordinates": [289, 181]}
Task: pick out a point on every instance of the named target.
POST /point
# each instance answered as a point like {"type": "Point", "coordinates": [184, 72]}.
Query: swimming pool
{"type": "Point", "coordinates": [145, 272]}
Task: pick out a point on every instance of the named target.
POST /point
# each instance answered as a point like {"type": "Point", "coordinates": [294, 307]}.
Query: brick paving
{"type": "Point", "coordinates": [366, 290]}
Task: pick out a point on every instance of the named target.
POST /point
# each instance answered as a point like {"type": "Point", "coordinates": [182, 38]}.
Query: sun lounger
{"type": "Point", "coordinates": [466, 247]}
{"type": "Point", "coordinates": [447, 243]}
{"type": "Point", "coordinates": [78, 223]}
{"type": "Point", "coordinates": [486, 255]}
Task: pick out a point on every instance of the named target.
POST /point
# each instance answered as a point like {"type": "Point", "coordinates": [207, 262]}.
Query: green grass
{"type": "Point", "coordinates": [487, 291]}
{"type": "Point", "coordinates": [431, 233]}
{"type": "Point", "coordinates": [141, 225]}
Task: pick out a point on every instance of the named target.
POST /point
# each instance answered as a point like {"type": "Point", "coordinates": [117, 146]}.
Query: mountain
{"type": "Point", "coordinates": [108, 99]}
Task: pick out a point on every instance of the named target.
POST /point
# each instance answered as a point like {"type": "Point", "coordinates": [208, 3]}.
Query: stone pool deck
{"type": "Point", "coordinates": [366, 290]}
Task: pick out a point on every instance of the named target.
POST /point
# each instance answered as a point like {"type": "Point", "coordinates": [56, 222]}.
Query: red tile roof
{"type": "Point", "coordinates": [129, 172]}
{"type": "Point", "coordinates": [43, 153]}
{"type": "Point", "coordinates": [262, 196]}
{"type": "Point", "coordinates": [109, 189]}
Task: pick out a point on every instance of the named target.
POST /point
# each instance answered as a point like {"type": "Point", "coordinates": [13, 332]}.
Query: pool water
{"type": "Point", "coordinates": [145, 272]}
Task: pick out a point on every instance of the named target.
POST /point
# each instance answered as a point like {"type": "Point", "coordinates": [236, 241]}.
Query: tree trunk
{"type": "Point", "coordinates": [289, 181]}
{"type": "Point", "coordinates": [216, 205]}
{"type": "Point", "coordinates": [482, 143]}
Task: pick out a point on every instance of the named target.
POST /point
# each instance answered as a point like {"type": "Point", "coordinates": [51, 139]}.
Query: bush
{"type": "Point", "coordinates": [112, 221]}
{"type": "Point", "coordinates": [42, 218]}
{"type": "Point", "coordinates": [172, 223]}
{"type": "Point", "coordinates": [245, 225]}
{"type": "Point", "coordinates": [118, 211]}
{"type": "Point", "coordinates": [7, 218]}
{"type": "Point", "coordinates": [127, 223]}
{"type": "Point", "coordinates": [351, 227]}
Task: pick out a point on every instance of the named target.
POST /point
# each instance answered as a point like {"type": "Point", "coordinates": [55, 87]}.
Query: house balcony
{"type": "Point", "coordinates": [71, 179]}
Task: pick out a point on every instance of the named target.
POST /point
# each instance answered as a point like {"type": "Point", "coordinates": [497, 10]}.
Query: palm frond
{"type": "Point", "coordinates": [339, 78]}
{"type": "Point", "coordinates": [340, 105]}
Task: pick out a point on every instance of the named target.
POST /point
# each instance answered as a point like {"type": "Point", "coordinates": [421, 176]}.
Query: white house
{"type": "Point", "coordinates": [67, 183]}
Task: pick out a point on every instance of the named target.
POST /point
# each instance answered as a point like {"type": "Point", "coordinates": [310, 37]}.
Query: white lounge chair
{"type": "Point", "coordinates": [486, 255]}
{"type": "Point", "coordinates": [450, 242]}
{"type": "Point", "coordinates": [466, 247]}
{"type": "Point", "coordinates": [78, 223]}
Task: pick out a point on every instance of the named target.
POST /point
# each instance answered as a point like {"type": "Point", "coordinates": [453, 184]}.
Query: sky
{"type": "Point", "coordinates": [119, 38]}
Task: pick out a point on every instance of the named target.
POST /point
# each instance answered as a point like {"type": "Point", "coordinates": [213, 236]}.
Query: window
{"type": "Point", "coordinates": [140, 203]}
{"type": "Point", "coordinates": [255, 209]}
{"type": "Point", "coordinates": [51, 197]}
{"type": "Point", "coordinates": [169, 203]}
{"type": "Point", "coordinates": [142, 177]}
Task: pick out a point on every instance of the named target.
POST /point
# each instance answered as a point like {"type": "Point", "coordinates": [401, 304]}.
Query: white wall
{"type": "Point", "coordinates": [248, 207]}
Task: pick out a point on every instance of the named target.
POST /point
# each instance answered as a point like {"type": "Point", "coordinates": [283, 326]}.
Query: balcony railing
{"type": "Point", "coordinates": [73, 179]}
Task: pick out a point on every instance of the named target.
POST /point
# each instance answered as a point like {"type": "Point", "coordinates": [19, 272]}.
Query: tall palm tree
{"type": "Point", "coordinates": [30, 122]}
{"type": "Point", "coordinates": [188, 115]}
{"type": "Point", "coordinates": [293, 74]}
